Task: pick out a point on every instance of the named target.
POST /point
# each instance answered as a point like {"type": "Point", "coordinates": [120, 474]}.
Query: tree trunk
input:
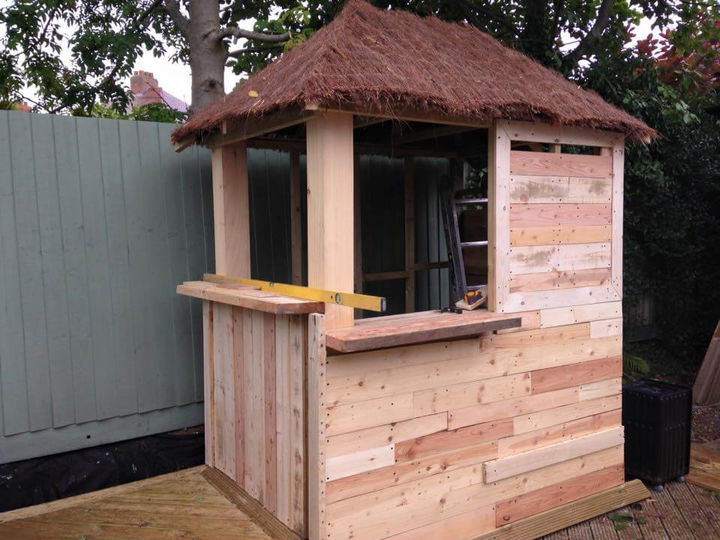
{"type": "Point", "coordinates": [207, 54]}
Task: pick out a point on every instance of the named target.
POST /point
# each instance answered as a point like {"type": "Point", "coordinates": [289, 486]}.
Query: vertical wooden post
{"type": "Point", "coordinates": [231, 201]}
{"type": "Point", "coordinates": [317, 418]}
{"type": "Point", "coordinates": [330, 210]}
{"type": "Point", "coordinates": [410, 234]}
{"type": "Point", "coordinates": [498, 216]}
{"type": "Point", "coordinates": [296, 218]}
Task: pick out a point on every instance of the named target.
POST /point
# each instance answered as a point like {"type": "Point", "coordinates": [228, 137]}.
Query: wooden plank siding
{"type": "Point", "coordinates": [436, 433]}
{"type": "Point", "coordinates": [99, 221]}
{"type": "Point", "coordinates": [256, 406]}
{"type": "Point", "coordinates": [563, 212]}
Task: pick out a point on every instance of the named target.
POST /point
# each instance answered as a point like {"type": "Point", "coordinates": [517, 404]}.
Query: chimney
{"type": "Point", "coordinates": [141, 81]}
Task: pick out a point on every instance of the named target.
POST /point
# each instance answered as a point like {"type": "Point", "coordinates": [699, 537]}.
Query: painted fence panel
{"type": "Point", "coordinates": [99, 221]}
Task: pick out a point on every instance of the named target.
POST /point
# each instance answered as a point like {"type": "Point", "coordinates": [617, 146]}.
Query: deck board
{"type": "Point", "coordinates": [186, 505]}
{"type": "Point", "coordinates": [178, 505]}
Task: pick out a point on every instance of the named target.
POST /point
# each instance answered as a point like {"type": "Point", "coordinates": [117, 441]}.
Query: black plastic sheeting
{"type": "Point", "coordinates": [45, 479]}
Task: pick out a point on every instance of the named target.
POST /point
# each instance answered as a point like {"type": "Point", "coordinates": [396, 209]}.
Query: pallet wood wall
{"type": "Point", "coordinates": [255, 412]}
{"type": "Point", "coordinates": [454, 439]}
{"type": "Point", "coordinates": [557, 218]}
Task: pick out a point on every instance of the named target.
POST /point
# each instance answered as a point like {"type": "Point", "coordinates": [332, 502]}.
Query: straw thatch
{"type": "Point", "coordinates": [376, 60]}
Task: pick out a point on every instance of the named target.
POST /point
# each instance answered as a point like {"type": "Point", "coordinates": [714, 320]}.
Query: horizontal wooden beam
{"type": "Point", "coordinates": [407, 115]}
{"type": "Point", "coordinates": [359, 301]}
{"type": "Point", "coordinates": [571, 513]}
{"type": "Point", "coordinates": [299, 145]}
{"type": "Point", "coordinates": [252, 127]}
{"type": "Point", "coordinates": [434, 133]}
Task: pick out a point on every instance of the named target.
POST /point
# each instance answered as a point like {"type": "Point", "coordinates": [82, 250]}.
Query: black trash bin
{"type": "Point", "coordinates": [657, 420]}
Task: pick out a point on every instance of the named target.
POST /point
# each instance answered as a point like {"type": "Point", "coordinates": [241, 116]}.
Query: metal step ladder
{"type": "Point", "coordinates": [462, 296]}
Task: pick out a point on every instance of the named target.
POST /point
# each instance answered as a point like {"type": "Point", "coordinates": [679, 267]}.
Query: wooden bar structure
{"type": "Point", "coordinates": [503, 421]}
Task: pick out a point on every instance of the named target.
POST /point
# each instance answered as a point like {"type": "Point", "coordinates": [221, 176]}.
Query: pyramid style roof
{"type": "Point", "coordinates": [369, 59]}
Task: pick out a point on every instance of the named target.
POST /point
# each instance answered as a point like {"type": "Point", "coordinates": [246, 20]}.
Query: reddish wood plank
{"type": "Point", "coordinates": [405, 331]}
{"type": "Point", "coordinates": [558, 494]}
{"type": "Point", "coordinates": [450, 440]}
{"type": "Point", "coordinates": [546, 380]}
{"type": "Point", "coordinates": [551, 164]}
{"type": "Point", "coordinates": [269, 380]}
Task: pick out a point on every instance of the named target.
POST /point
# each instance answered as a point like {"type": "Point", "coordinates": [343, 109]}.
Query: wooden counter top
{"type": "Point", "coordinates": [248, 297]}
{"type": "Point", "coordinates": [421, 327]}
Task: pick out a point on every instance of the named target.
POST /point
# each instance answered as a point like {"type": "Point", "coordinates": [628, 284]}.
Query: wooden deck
{"type": "Point", "coordinates": [186, 505]}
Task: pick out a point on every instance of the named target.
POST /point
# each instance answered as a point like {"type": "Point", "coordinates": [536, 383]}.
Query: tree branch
{"type": "Point", "coordinates": [240, 52]}
{"type": "Point", "coordinates": [236, 32]}
{"type": "Point", "coordinates": [172, 8]}
{"type": "Point", "coordinates": [601, 23]}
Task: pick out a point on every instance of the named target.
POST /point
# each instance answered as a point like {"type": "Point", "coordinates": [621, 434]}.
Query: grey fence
{"type": "Point", "coordinates": [99, 221]}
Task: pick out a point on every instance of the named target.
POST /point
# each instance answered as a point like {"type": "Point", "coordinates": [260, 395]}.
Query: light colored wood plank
{"type": "Point", "coordinates": [618, 160]}
{"type": "Point", "coordinates": [330, 210]}
{"type": "Point", "coordinates": [408, 471]}
{"type": "Point", "coordinates": [316, 434]}
{"type": "Point", "coordinates": [569, 234]}
{"type": "Point", "coordinates": [535, 336]}
{"type": "Point", "coordinates": [531, 440]}
{"type": "Point", "coordinates": [466, 394]}
{"type": "Point", "coordinates": [249, 298]}
{"type": "Point", "coordinates": [270, 491]}
{"type": "Point", "coordinates": [560, 189]}
{"type": "Point", "coordinates": [559, 215]}
{"type": "Point", "coordinates": [418, 503]}
{"type": "Point", "coordinates": [566, 413]}
{"type": "Point", "coordinates": [498, 215]}
{"type": "Point", "coordinates": [298, 428]}
{"type": "Point", "coordinates": [560, 279]}
{"type": "Point", "coordinates": [478, 365]}
{"type": "Point", "coordinates": [518, 464]}
{"type": "Point", "coordinates": [370, 413]}
{"type": "Point", "coordinates": [600, 389]}
{"type": "Point", "coordinates": [461, 527]}
{"type": "Point", "coordinates": [451, 440]}
{"type": "Point", "coordinates": [542, 259]}
{"type": "Point", "coordinates": [238, 360]}
{"type": "Point", "coordinates": [486, 412]}
{"type": "Point", "coordinates": [533, 503]}
{"type": "Point", "coordinates": [575, 314]}
{"type": "Point", "coordinates": [224, 392]}
{"type": "Point", "coordinates": [231, 207]}
{"type": "Point", "coordinates": [559, 135]}
{"type": "Point", "coordinates": [358, 364]}
{"type": "Point", "coordinates": [582, 373]}
{"type": "Point", "coordinates": [551, 164]}
{"type": "Point", "coordinates": [254, 424]}
{"type": "Point", "coordinates": [366, 439]}
{"type": "Point", "coordinates": [560, 298]}
{"type": "Point", "coordinates": [283, 382]}
{"type": "Point", "coordinates": [359, 462]}
{"type": "Point", "coordinates": [209, 382]}
{"type": "Point", "coordinates": [611, 327]}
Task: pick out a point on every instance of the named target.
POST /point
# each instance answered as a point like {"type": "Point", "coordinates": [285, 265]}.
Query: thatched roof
{"type": "Point", "coordinates": [370, 59]}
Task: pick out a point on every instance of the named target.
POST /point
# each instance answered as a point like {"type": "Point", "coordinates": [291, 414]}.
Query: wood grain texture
{"type": "Point", "coordinates": [556, 495]}
{"type": "Point", "coordinates": [549, 164]}
{"type": "Point", "coordinates": [568, 234]}
{"type": "Point", "coordinates": [566, 413]}
{"type": "Point", "coordinates": [560, 189]}
{"type": "Point", "coordinates": [434, 327]}
{"type": "Point", "coordinates": [543, 259]}
{"type": "Point", "coordinates": [509, 466]}
{"type": "Point", "coordinates": [559, 215]}
{"type": "Point", "coordinates": [560, 279]}
{"type": "Point", "coordinates": [555, 378]}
